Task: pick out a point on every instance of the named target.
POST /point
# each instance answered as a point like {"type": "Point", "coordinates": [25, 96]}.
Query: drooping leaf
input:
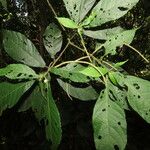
{"type": "Point", "coordinates": [118, 40]}
{"type": "Point", "coordinates": [84, 94]}
{"type": "Point", "coordinates": [68, 23]}
{"type": "Point", "coordinates": [52, 38]}
{"type": "Point", "coordinates": [103, 34]}
{"type": "Point", "coordinates": [44, 107]}
{"type": "Point", "coordinates": [21, 49]}
{"type": "Point", "coordinates": [11, 93]}
{"type": "Point", "coordinates": [18, 71]}
{"type": "Point", "coordinates": [109, 124]}
{"type": "Point", "coordinates": [77, 9]}
{"type": "Point", "coordinates": [139, 96]}
{"type": "Point", "coordinates": [109, 10]}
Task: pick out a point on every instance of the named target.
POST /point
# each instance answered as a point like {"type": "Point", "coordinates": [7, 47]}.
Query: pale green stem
{"type": "Point", "coordinates": [136, 51]}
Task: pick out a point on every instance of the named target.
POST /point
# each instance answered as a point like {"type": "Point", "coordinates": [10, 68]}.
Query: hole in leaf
{"type": "Point", "coordinates": [119, 123]}
{"type": "Point", "coordinates": [104, 109]}
{"type": "Point", "coordinates": [136, 86]}
{"type": "Point", "coordinates": [123, 8]}
{"type": "Point", "coordinates": [99, 137]}
{"type": "Point", "coordinates": [116, 147]}
{"type": "Point", "coordinates": [139, 96]}
{"type": "Point", "coordinates": [146, 113]}
{"type": "Point", "coordinates": [88, 77]}
{"type": "Point", "coordinates": [18, 75]}
{"type": "Point", "coordinates": [30, 75]}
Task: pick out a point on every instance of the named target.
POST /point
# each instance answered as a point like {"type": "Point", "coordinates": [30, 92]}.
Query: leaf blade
{"type": "Point", "coordinates": [109, 124]}
{"type": "Point", "coordinates": [10, 93]}
{"type": "Point", "coordinates": [21, 49]}
{"type": "Point", "coordinates": [52, 39]}
{"type": "Point", "coordinates": [18, 71]}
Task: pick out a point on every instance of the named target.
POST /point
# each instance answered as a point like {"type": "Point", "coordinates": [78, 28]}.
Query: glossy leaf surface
{"type": "Point", "coordinates": [77, 9]}
{"type": "Point", "coordinates": [21, 49]}
{"type": "Point", "coordinates": [109, 10]}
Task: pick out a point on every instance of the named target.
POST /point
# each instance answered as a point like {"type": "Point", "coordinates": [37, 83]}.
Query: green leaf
{"type": "Point", "coordinates": [4, 3]}
{"type": "Point", "coordinates": [119, 64]}
{"type": "Point", "coordinates": [45, 109]}
{"type": "Point", "coordinates": [18, 71]}
{"type": "Point", "coordinates": [118, 95]}
{"type": "Point", "coordinates": [21, 49]}
{"type": "Point", "coordinates": [109, 10]}
{"type": "Point", "coordinates": [78, 9]}
{"type": "Point", "coordinates": [11, 93]}
{"type": "Point", "coordinates": [118, 40]}
{"type": "Point", "coordinates": [70, 75]}
{"type": "Point", "coordinates": [68, 23]}
{"type": "Point", "coordinates": [103, 34]}
{"type": "Point", "coordinates": [113, 78]}
{"type": "Point", "coordinates": [84, 94]}
{"type": "Point", "coordinates": [52, 38]}
{"type": "Point", "coordinates": [109, 124]}
{"type": "Point", "coordinates": [93, 72]}
{"type": "Point", "coordinates": [139, 96]}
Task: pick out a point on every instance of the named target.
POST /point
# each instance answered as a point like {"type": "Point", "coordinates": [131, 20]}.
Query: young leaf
{"type": "Point", "coordinates": [139, 96]}
{"type": "Point", "coordinates": [21, 49]}
{"type": "Point", "coordinates": [52, 38]}
{"type": "Point", "coordinates": [103, 34]}
{"type": "Point", "coordinates": [78, 9]}
{"type": "Point", "coordinates": [109, 124]}
{"type": "Point", "coordinates": [93, 72]}
{"type": "Point", "coordinates": [118, 40]}
{"type": "Point", "coordinates": [45, 109]}
{"type": "Point", "coordinates": [119, 64]}
{"type": "Point", "coordinates": [68, 23]}
{"type": "Point", "coordinates": [109, 10]}
{"type": "Point", "coordinates": [11, 93]}
{"type": "Point", "coordinates": [18, 71]}
{"type": "Point", "coordinates": [84, 94]}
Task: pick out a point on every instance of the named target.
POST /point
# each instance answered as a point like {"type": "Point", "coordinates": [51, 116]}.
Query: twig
{"type": "Point", "coordinates": [52, 9]}
{"type": "Point", "coordinates": [136, 51]}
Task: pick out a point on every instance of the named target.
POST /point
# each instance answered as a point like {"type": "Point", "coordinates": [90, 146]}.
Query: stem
{"type": "Point", "coordinates": [109, 65]}
{"type": "Point", "coordinates": [61, 54]}
{"type": "Point", "coordinates": [97, 49]}
{"type": "Point", "coordinates": [83, 44]}
{"type": "Point", "coordinates": [76, 46]}
{"type": "Point", "coordinates": [52, 9]}
{"type": "Point", "coordinates": [83, 62]}
{"type": "Point", "coordinates": [136, 51]}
